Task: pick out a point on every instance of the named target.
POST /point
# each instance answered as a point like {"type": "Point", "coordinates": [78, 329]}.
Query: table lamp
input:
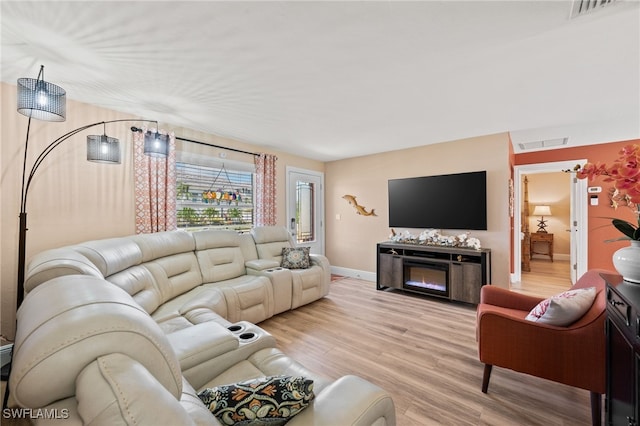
{"type": "Point", "coordinates": [542, 211]}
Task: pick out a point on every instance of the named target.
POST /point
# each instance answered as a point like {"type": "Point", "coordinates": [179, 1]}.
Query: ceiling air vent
{"type": "Point", "coordinates": [548, 143]}
{"type": "Point", "coordinates": [580, 7]}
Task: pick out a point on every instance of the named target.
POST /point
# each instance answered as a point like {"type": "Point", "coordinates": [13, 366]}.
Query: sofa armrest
{"type": "Point", "coordinates": [349, 400]}
{"type": "Point", "coordinates": [201, 342]}
{"type": "Point", "coordinates": [261, 264]}
{"type": "Point", "coordinates": [498, 296]}
{"type": "Point", "coordinates": [320, 260]}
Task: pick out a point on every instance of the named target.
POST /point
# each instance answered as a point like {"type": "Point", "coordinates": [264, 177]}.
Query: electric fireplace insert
{"type": "Point", "coordinates": [426, 277]}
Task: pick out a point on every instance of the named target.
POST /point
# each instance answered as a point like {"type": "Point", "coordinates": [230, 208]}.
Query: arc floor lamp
{"type": "Point", "coordinates": [46, 101]}
{"type": "Point", "coordinates": [39, 99]}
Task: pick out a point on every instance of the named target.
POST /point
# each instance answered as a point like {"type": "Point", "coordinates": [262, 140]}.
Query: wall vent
{"type": "Point", "coordinates": [580, 7]}
{"type": "Point", "coordinates": [547, 143]}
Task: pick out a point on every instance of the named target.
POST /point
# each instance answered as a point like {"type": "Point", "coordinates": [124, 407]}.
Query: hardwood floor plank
{"type": "Point", "coordinates": [423, 351]}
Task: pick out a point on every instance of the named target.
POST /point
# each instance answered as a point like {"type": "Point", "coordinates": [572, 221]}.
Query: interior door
{"type": "Point", "coordinates": [305, 208]}
{"type": "Point", "coordinates": [573, 245]}
{"type": "Point", "coordinates": [579, 222]}
{"type": "Point", "coordinates": [578, 216]}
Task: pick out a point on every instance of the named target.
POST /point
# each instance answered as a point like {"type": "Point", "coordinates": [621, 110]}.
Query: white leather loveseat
{"type": "Point", "coordinates": [128, 330]}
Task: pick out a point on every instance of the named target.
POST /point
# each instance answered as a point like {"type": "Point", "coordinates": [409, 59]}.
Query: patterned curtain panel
{"type": "Point", "coordinates": [155, 187]}
{"type": "Point", "coordinates": [265, 189]}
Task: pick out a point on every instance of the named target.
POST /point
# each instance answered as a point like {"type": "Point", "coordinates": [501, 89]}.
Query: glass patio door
{"type": "Point", "coordinates": [305, 212]}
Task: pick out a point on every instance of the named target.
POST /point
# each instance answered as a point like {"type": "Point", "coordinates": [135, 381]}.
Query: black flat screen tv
{"type": "Point", "coordinates": [454, 201]}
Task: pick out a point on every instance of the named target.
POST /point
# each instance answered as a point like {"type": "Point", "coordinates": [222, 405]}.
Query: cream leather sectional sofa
{"type": "Point", "coordinates": [128, 330]}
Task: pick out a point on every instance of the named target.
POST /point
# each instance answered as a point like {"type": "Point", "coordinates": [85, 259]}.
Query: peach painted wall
{"type": "Point", "coordinates": [73, 200]}
{"type": "Point", "coordinates": [351, 239]}
{"type": "Point", "coordinates": [600, 228]}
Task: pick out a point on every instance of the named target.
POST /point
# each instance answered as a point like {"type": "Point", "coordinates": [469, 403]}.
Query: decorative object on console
{"type": "Point", "coordinates": [542, 211]}
{"type": "Point", "coordinates": [268, 401]}
{"type": "Point", "coordinates": [361, 210]}
{"type": "Point", "coordinates": [624, 173]}
{"type": "Point", "coordinates": [627, 262]}
{"type": "Point", "coordinates": [433, 237]}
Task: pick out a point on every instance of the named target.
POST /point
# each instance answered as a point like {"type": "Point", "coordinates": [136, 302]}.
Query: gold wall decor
{"type": "Point", "coordinates": [361, 210]}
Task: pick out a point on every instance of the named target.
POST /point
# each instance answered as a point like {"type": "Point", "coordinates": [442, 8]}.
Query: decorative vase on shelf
{"type": "Point", "coordinates": [627, 262]}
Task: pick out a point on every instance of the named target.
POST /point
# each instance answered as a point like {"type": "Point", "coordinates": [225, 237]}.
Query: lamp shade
{"type": "Point", "coordinates": [103, 149]}
{"type": "Point", "coordinates": [41, 100]}
{"type": "Point", "coordinates": [542, 211]}
{"type": "Point", "coordinates": [156, 144]}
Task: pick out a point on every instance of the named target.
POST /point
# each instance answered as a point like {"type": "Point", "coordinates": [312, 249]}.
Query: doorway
{"type": "Point", "coordinates": [305, 208]}
{"type": "Point", "coordinates": [577, 226]}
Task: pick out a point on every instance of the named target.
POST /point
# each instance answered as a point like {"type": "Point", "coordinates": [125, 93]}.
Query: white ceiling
{"type": "Point", "coordinates": [332, 80]}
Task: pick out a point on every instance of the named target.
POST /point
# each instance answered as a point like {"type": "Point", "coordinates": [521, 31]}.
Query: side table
{"type": "Point", "coordinates": [542, 238]}
{"type": "Point", "coordinates": [622, 329]}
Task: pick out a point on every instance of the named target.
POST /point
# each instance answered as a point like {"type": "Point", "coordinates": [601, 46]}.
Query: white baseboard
{"type": "Point", "coordinates": [5, 354]}
{"type": "Point", "coordinates": [354, 273]}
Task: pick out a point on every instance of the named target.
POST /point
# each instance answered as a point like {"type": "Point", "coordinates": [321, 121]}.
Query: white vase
{"type": "Point", "coordinates": [627, 262]}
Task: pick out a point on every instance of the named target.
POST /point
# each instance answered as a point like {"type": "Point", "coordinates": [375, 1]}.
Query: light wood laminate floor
{"type": "Point", "coordinates": [545, 279]}
{"type": "Point", "coordinates": [423, 351]}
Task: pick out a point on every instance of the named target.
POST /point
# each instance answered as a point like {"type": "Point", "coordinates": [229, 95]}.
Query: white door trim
{"type": "Point", "coordinates": [579, 232]}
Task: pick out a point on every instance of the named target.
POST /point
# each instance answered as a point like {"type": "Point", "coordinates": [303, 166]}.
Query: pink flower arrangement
{"type": "Point", "coordinates": [624, 172]}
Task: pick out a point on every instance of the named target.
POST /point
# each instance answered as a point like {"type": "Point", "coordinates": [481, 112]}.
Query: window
{"type": "Point", "coordinates": [211, 194]}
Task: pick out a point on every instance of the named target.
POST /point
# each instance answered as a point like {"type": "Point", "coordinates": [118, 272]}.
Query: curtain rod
{"type": "Point", "coordinates": [217, 146]}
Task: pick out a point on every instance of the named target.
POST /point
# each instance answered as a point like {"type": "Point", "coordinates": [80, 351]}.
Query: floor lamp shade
{"type": "Point", "coordinates": [156, 144]}
{"type": "Point", "coordinates": [41, 100]}
{"type": "Point", "coordinates": [103, 149]}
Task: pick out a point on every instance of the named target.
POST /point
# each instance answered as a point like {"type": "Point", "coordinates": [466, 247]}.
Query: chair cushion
{"type": "Point", "coordinates": [265, 401]}
{"type": "Point", "coordinates": [564, 308]}
{"type": "Point", "coordinates": [295, 258]}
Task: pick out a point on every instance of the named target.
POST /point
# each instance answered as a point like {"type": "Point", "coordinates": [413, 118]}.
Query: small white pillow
{"type": "Point", "coordinates": [564, 308]}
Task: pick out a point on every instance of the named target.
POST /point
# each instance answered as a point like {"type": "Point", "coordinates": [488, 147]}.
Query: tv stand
{"type": "Point", "coordinates": [451, 273]}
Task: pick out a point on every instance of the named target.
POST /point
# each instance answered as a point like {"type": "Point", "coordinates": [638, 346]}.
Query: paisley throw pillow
{"type": "Point", "coordinates": [295, 258]}
{"type": "Point", "coordinates": [268, 401]}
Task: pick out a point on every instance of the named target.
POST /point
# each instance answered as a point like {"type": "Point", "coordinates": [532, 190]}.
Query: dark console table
{"type": "Point", "coordinates": [447, 272]}
{"type": "Point", "coordinates": [623, 352]}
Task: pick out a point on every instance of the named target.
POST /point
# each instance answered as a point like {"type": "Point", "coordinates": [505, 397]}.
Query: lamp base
{"type": "Point", "coordinates": [542, 224]}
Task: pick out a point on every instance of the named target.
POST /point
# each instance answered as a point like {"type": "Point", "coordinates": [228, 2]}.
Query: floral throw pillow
{"type": "Point", "coordinates": [268, 401]}
{"type": "Point", "coordinates": [295, 258]}
{"type": "Point", "coordinates": [564, 308]}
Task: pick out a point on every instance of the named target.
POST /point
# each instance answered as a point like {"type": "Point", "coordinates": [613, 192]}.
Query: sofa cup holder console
{"type": "Point", "coordinates": [246, 333]}
{"type": "Point", "coordinates": [236, 328]}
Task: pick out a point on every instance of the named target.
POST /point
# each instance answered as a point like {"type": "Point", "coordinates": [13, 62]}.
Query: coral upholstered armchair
{"type": "Point", "coordinates": [573, 355]}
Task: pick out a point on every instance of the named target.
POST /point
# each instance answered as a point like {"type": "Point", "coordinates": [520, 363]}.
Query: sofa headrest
{"type": "Point", "coordinates": [57, 263]}
{"type": "Point", "coordinates": [111, 255]}
{"type": "Point", "coordinates": [161, 244]}
{"type": "Point", "coordinates": [67, 323]}
{"type": "Point", "coordinates": [216, 238]}
{"type": "Point", "coordinates": [270, 234]}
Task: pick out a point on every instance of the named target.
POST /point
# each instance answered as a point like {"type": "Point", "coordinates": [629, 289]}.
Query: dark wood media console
{"type": "Point", "coordinates": [447, 272]}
